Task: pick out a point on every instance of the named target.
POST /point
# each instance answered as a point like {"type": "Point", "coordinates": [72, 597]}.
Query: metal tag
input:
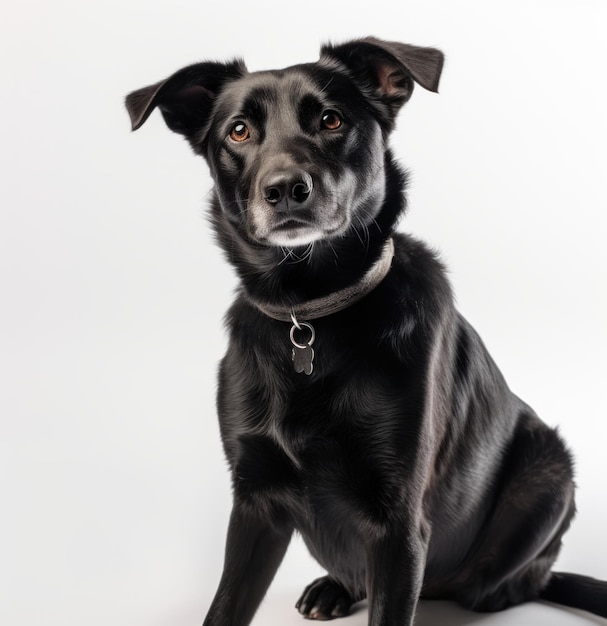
{"type": "Point", "coordinates": [303, 359]}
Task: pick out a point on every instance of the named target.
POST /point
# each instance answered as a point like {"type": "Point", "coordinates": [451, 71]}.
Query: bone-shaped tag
{"type": "Point", "coordinates": [303, 359]}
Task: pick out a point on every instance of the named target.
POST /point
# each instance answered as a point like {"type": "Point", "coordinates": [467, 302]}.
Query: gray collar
{"type": "Point", "coordinates": [334, 302]}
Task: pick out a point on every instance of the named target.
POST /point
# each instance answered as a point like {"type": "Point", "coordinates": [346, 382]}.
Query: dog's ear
{"type": "Point", "coordinates": [186, 98]}
{"type": "Point", "coordinates": [389, 68]}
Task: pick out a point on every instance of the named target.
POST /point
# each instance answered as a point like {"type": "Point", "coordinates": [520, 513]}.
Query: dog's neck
{"type": "Point", "coordinates": [333, 302]}
{"type": "Point", "coordinates": [329, 268]}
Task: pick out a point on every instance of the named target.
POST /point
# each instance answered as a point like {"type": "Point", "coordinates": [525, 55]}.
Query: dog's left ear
{"type": "Point", "coordinates": [389, 68]}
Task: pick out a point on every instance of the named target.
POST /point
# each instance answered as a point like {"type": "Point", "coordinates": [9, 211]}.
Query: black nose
{"type": "Point", "coordinates": [287, 190]}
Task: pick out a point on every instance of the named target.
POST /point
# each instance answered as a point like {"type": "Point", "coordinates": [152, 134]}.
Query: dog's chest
{"type": "Point", "coordinates": [319, 462]}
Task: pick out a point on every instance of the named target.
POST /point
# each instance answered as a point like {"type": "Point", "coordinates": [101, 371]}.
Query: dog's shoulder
{"type": "Point", "coordinates": [412, 305]}
{"type": "Point", "coordinates": [419, 279]}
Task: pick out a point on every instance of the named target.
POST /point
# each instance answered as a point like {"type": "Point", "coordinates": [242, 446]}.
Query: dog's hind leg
{"type": "Point", "coordinates": [511, 561]}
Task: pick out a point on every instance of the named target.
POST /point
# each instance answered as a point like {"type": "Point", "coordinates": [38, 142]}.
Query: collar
{"type": "Point", "coordinates": [334, 302]}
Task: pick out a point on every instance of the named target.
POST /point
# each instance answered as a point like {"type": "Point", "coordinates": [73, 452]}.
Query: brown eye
{"type": "Point", "coordinates": [331, 120]}
{"type": "Point", "coordinates": [239, 132]}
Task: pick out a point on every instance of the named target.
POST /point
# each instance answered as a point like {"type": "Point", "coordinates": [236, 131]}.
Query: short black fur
{"type": "Point", "coordinates": [403, 459]}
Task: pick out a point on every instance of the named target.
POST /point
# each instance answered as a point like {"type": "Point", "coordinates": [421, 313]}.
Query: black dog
{"type": "Point", "coordinates": [392, 444]}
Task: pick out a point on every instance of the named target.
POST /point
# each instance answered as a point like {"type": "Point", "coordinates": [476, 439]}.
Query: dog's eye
{"type": "Point", "coordinates": [331, 120]}
{"type": "Point", "coordinates": [240, 132]}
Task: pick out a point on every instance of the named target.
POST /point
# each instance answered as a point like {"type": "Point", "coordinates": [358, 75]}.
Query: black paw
{"type": "Point", "coordinates": [324, 599]}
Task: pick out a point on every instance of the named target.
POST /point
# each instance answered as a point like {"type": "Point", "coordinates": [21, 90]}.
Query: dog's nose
{"type": "Point", "coordinates": [286, 190]}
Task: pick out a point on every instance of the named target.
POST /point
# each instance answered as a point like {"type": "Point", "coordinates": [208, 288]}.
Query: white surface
{"type": "Point", "coordinates": [113, 490]}
{"type": "Point", "coordinates": [278, 608]}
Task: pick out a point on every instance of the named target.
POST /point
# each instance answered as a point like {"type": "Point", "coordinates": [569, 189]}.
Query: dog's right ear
{"type": "Point", "coordinates": [186, 98]}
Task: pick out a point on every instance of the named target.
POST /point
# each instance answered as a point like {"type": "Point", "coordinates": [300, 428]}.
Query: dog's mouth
{"type": "Point", "coordinates": [293, 232]}
{"type": "Point", "coordinates": [291, 225]}
{"type": "Point", "coordinates": [291, 222]}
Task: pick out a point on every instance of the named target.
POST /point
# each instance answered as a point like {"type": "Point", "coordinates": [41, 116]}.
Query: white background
{"type": "Point", "coordinates": [113, 489]}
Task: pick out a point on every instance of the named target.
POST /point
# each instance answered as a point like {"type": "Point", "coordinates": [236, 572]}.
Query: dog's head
{"type": "Point", "coordinates": [297, 155]}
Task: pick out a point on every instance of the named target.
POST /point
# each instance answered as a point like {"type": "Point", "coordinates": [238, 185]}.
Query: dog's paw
{"type": "Point", "coordinates": [324, 599]}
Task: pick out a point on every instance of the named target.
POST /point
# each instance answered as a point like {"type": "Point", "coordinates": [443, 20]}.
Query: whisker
{"type": "Point", "coordinates": [287, 252]}
{"type": "Point", "coordinates": [327, 85]}
{"type": "Point", "coordinates": [332, 249]}
{"type": "Point", "coordinates": [364, 236]}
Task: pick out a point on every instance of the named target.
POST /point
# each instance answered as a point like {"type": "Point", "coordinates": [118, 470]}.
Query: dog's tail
{"type": "Point", "coordinates": [578, 592]}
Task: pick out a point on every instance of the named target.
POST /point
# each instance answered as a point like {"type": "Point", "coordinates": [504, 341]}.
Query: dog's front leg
{"type": "Point", "coordinates": [254, 550]}
{"type": "Point", "coordinates": [395, 569]}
